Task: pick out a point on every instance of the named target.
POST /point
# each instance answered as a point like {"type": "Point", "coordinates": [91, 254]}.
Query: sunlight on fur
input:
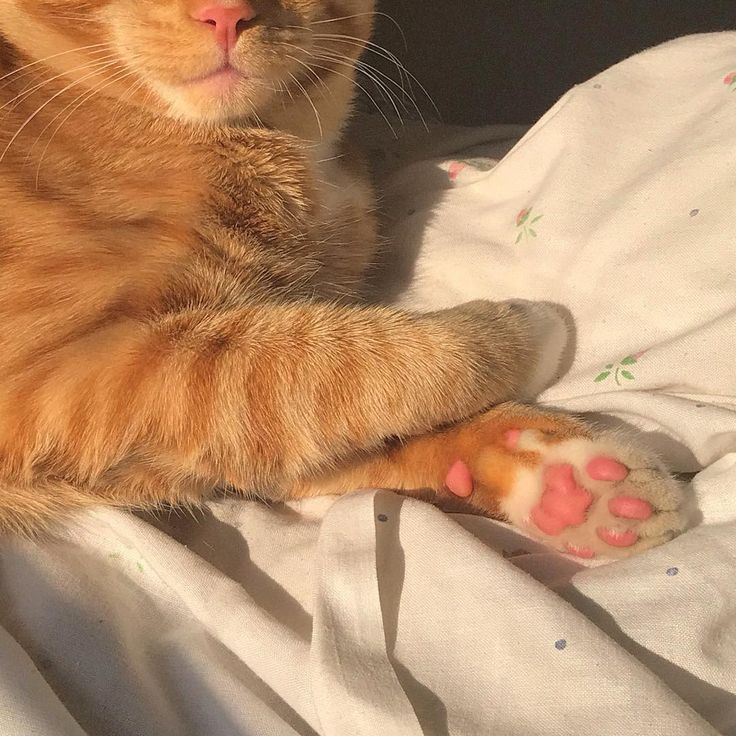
{"type": "Point", "coordinates": [185, 242]}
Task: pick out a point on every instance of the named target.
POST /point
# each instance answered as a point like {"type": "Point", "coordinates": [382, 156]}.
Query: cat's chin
{"type": "Point", "coordinates": [220, 81]}
{"type": "Point", "coordinates": [218, 97]}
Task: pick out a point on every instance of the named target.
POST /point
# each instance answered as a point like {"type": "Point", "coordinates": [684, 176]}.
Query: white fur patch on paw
{"type": "Point", "coordinates": [551, 337]}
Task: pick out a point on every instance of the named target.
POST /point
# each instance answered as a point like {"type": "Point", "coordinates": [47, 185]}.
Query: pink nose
{"type": "Point", "coordinates": [227, 20]}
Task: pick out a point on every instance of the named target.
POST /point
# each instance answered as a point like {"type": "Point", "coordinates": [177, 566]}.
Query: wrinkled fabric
{"type": "Point", "coordinates": [379, 615]}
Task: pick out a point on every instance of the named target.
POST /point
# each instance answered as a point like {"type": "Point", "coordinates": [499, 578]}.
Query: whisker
{"type": "Point", "coordinates": [89, 65]}
{"type": "Point", "coordinates": [255, 115]}
{"type": "Point", "coordinates": [85, 97]}
{"type": "Point", "coordinates": [375, 48]}
{"type": "Point", "coordinates": [309, 99]}
{"type": "Point", "coordinates": [384, 91]}
{"type": "Point", "coordinates": [54, 56]}
{"type": "Point", "coordinates": [72, 18]}
{"type": "Point", "coordinates": [291, 94]}
{"type": "Point", "coordinates": [42, 107]}
{"type": "Point", "coordinates": [375, 14]}
{"type": "Point", "coordinates": [366, 47]}
{"type": "Point", "coordinates": [311, 71]}
{"type": "Point", "coordinates": [120, 104]}
{"type": "Point", "coordinates": [363, 89]}
{"type": "Point", "coordinates": [374, 75]}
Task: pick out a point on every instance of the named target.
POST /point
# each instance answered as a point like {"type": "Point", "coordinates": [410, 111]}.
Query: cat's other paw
{"type": "Point", "coordinates": [550, 332]}
{"type": "Point", "coordinates": [517, 346]}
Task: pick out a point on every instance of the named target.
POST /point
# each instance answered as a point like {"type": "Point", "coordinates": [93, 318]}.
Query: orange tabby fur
{"type": "Point", "coordinates": [181, 267]}
{"type": "Point", "coordinates": [175, 290]}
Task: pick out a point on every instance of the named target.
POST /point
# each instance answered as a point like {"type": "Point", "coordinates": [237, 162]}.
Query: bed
{"type": "Point", "coordinates": [375, 614]}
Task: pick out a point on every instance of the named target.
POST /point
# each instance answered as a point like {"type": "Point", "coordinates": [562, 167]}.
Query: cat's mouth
{"type": "Point", "coordinates": [221, 79]}
{"type": "Point", "coordinates": [224, 91]}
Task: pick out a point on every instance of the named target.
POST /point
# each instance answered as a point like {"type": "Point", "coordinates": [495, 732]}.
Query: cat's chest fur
{"type": "Point", "coordinates": [284, 218]}
{"type": "Point", "coordinates": [179, 217]}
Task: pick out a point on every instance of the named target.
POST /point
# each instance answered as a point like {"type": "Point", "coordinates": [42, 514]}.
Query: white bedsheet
{"type": "Point", "coordinates": [376, 615]}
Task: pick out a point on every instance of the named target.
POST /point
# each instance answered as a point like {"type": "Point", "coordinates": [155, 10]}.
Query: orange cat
{"type": "Point", "coordinates": [181, 258]}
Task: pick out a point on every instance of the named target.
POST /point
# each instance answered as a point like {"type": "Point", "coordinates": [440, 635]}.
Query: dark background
{"type": "Point", "coordinates": [507, 61]}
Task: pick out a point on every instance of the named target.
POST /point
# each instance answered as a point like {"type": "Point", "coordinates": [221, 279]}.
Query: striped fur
{"type": "Point", "coordinates": [180, 272]}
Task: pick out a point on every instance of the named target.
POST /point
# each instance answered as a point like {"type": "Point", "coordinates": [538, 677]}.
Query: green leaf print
{"type": "Point", "coordinates": [618, 371]}
{"type": "Point", "coordinates": [479, 164]}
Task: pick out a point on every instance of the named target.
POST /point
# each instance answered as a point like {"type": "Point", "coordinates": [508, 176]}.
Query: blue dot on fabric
{"type": "Point", "coordinates": [382, 517]}
{"type": "Point", "coordinates": [673, 571]}
{"type": "Point", "coordinates": [561, 644]}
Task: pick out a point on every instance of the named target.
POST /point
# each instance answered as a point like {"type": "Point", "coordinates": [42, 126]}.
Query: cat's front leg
{"type": "Point", "coordinates": [581, 490]}
{"type": "Point", "coordinates": [163, 410]}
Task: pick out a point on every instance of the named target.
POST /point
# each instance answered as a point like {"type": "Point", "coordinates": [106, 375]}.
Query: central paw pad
{"type": "Point", "coordinates": [563, 501]}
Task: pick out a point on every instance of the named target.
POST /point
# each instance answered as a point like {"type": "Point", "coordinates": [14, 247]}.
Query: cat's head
{"type": "Point", "coordinates": [202, 60]}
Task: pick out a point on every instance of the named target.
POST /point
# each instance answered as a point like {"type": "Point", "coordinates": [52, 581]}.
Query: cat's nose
{"type": "Point", "coordinates": [227, 21]}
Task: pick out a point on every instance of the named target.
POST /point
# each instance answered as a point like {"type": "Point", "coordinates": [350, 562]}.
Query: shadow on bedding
{"type": "Point", "coordinates": [714, 705]}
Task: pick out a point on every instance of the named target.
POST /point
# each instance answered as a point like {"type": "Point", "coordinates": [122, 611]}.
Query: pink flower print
{"type": "Point", "coordinates": [524, 221]}
{"type": "Point", "coordinates": [730, 79]}
{"type": "Point", "coordinates": [456, 168]}
{"type": "Point", "coordinates": [479, 164]}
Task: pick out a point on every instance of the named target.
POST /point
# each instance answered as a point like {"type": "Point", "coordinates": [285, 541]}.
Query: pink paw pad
{"type": "Point", "coordinates": [459, 480]}
{"type": "Point", "coordinates": [608, 469]}
{"type": "Point", "coordinates": [511, 438]}
{"type": "Point", "coordinates": [564, 503]}
{"type": "Point", "coordinates": [617, 539]}
{"type": "Point", "coordinates": [584, 553]}
{"type": "Point", "coordinates": [628, 507]}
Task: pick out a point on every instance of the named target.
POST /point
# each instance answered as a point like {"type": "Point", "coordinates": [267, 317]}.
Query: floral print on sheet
{"type": "Point", "coordinates": [730, 81]}
{"type": "Point", "coordinates": [456, 168]}
{"type": "Point", "coordinates": [524, 222]}
{"type": "Point", "coordinates": [620, 372]}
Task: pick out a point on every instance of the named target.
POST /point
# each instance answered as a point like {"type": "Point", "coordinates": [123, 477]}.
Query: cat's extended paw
{"type": "Point", "coordinates": [592, 496]}
{"type": "Point", "coordinates": [584, 492]}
